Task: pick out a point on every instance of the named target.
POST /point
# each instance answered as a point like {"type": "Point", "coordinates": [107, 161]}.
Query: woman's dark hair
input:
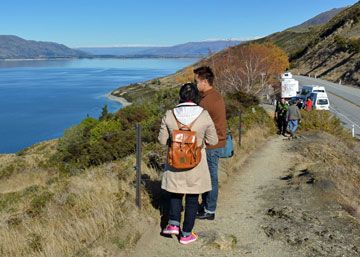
{"type": "Point", "coordinates": [189, 92]}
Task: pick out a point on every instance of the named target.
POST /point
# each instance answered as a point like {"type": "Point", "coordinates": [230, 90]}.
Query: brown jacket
{"type": "Point", "coordinates": [213, 102]}
{"type": "Point", "coordinates": [196, 180]}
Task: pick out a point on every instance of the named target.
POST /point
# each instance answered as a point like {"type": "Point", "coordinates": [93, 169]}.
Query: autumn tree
{"type": "Point", "coordinates": [248, 68]}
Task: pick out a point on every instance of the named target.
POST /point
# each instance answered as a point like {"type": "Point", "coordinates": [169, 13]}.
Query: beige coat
{"type": "Point", "coordinates": [196, 180]}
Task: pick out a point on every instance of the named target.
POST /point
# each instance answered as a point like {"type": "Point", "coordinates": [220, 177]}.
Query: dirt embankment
{"type": "Point", "coordinates": [287, 199]}
{"type": "Point", "coordinates": [316, 208]}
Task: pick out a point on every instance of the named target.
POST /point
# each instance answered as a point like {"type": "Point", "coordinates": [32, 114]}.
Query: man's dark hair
{"type": "Point", "coordinates": [189, 92]}
{"type": "Point", "coordinates": [205, 72]}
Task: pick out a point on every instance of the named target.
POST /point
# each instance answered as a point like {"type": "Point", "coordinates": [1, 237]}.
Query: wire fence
{"type": "Point", "coordinates": [139, 180]}
{"type": "Point", "coordinates": [137, 147]}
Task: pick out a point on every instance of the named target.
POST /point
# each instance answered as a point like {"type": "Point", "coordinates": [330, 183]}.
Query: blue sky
{"type": "Point", "coordinates": [153, 22]}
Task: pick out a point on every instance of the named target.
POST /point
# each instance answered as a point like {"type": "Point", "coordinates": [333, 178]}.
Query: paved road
{"type": "Point", "coordinates": [344, 101]}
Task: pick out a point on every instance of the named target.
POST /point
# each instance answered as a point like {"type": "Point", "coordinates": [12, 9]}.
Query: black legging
{"type": "Point", "coordinates": [191, 207]}
{"type": "Point", "coordinates": [282, 124]}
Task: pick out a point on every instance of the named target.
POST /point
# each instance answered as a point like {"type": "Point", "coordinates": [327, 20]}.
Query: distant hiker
{"type": "Point", "coordinates": [194, 181]}
{"type": "Point", "coordinates": [292, 117]}
{"type": "Point", "coordinates": [213, 102]}
{"type": "Point", "coordinates": [280, 116]}
{"type": "Point", "coordinates": [308, 104]}
{"type": "Point", "coordinates": [299, 103]}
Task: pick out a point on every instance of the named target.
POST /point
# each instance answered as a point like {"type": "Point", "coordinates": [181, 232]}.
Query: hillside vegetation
{"type": "Point", "coordinates": [330, 50]}
{"type": "Point", "coordinates": [76, 196]}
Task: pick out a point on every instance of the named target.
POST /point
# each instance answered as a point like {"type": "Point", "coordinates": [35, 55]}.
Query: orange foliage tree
{"type": "Point", "coordinates": [186, 76]}
{"type": "Point", "coordinates": [248, 68]}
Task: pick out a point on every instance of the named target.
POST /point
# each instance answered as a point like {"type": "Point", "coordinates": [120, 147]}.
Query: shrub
{"type": "Point", "coordinates": [106, 127]}
{"type": "Point", "coordinates": [94, 142]}
{"type": "Point", "coordinates": [238, 101]}
{"type": "Point", "coordinates": [322, 120]}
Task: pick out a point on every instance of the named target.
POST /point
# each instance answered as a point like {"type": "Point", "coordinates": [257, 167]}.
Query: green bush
{"type": "Point", "coordinates": [322, 120]}
{"type": "Point", "coordinates": [113, 136]}
{"type": "Point", "coordinates": [105, 127]}
{"type": "Point", "coordinates": [239, 101]}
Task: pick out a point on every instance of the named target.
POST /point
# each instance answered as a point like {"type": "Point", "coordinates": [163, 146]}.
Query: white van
{"type": "Point", "coordinates": [289, 86]}
{"type": "Point", "coordinates": [320, 101]}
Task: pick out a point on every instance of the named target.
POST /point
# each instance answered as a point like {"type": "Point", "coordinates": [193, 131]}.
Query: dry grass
{"type": "Point", "coordinates": [79, 214]}
{"type": "Point", "coordinates": [46, 213]}
{"type": "Point", "coordinates": [337, 161]}
{"type": "Point", "coordinates": [251, 141]}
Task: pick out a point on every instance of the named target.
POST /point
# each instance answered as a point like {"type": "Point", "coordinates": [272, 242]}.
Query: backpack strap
{"type": "Point", "coordinates": [180, 126]}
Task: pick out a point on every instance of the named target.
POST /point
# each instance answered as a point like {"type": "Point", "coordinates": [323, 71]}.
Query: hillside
{"type": "Point", "coordinates": [291, 40]}
{"type": "Point", "coordinates": [321, 18]}
{"type": "Point", "coordinates": [330, 50]}
{"type": "Point", "coordinates": [13, 47]}
{"type": "Point", "coordinates": [190, 49]}
{"type": "Point", "coordinates": [333, 51]}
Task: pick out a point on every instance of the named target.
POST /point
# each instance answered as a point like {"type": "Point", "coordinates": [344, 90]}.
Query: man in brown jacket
{"type": "Point", "coordinates": [213, 102]}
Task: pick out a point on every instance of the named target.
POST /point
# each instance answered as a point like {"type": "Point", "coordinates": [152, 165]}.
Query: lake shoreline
{"type": "Point", "coordinates": [118, 99]}
{"type": "Point", "coordinates": [51, 96]}
{"type": "Point", "coordinates": [99, 57]}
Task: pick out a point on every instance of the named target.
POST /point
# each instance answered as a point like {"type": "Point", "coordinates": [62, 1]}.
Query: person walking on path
{"type": "Point", "coordinates": [194, 181]}
{"type": "Point", "coordinates": [308, 104]}
{"type": "Point", "coordinates": [280, 116]}
{"type": "Point", "coordinates": [292, 116]}
{"type": "Point", "coordinates": [213, 102]}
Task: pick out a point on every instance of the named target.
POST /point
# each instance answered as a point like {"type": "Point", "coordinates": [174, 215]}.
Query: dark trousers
{"type": "Point", "coordinates": [191, 206]}
{"type": "Point", "coordinates": [282, 124]}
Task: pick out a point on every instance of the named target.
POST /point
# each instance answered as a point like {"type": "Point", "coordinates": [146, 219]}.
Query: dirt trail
{"type": "Point", "coordinates": [236, 230]}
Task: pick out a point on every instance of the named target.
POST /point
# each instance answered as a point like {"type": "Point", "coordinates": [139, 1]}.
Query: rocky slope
{"type": "Point", "coordinates": [330, 50]}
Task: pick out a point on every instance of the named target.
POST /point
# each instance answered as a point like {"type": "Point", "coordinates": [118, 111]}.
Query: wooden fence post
{"type": "Point", "coordinates": [138, 165]}
{"type": "Point", "coordinates": [239, 128]}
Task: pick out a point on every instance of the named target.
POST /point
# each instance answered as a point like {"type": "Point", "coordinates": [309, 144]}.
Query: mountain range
{"type": "Point", "coordinates": [190, 49]}
{"type": "Point", "coordinates": [291, 40]}
{"type": "Point", "coordinates": [13, 47]}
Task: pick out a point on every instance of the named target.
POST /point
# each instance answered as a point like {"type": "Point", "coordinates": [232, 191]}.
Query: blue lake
{"type": "Point", "coordinates": [39, 99]}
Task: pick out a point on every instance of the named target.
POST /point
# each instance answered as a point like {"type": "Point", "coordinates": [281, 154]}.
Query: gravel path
{"type": "Point", "coordinates": [236, 230]}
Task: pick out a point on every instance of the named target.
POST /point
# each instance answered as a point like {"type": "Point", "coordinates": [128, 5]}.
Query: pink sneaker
{"type": "Point", "coordinates": [188, 239]}
{"type": "Point", "coordinates": [171, 230]}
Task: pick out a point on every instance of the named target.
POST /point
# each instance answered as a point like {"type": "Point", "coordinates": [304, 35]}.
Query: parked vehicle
{"type": "Point", "coordinates": [289, 86]}
{"type": "Point", "coordinates": [305, 89]}
{"type": "Point", "coordinates": [320, 101]}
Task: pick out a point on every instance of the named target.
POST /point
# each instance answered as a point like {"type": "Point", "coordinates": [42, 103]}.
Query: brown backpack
{"type": "Point", "coordinates": [183, 150]}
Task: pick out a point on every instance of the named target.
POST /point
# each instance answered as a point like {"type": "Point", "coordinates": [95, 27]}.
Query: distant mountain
{"type": "Point", "coordinates": [13, 47]}
{"type": "Point", "coordinates": [191, 49]}
{"type": "Point", "coordinates": [114, 50]}
{"type": "Point", "coordinates": [321, 18]}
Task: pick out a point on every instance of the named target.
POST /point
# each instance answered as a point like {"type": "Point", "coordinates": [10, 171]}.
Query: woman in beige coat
{"type": "Point", "coordinates": [190, 182]}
